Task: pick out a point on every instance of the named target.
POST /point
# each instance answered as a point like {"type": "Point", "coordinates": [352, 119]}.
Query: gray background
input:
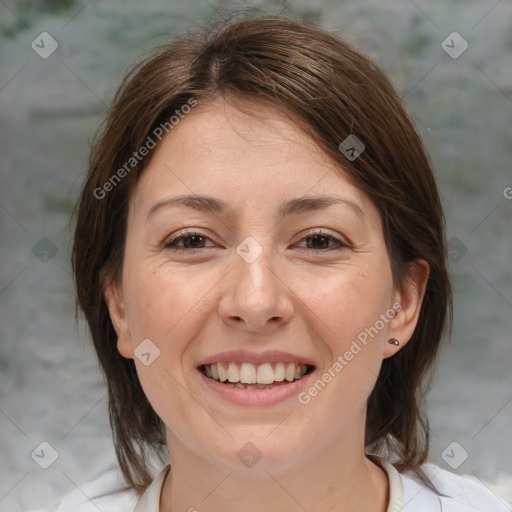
{"type": "Point", "coordinates": [51, 389]}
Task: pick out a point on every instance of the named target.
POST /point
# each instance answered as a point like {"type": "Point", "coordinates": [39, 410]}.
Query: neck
{"type": "Point", "coordinates": [339, 479]}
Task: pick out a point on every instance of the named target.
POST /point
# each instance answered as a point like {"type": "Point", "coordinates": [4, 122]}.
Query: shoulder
{"type": "Point", "coordinates": [454, 493]}
{"type": "Point", "coordinates": [107, 493]}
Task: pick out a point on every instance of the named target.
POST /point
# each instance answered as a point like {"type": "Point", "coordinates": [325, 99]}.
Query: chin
{"type": "Point", "coordinates": [256, 455]}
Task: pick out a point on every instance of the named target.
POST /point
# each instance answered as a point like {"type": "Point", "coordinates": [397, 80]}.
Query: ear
{"type": "Point", "coordinates": [116, 307]}
{"type": "Point", "coordinates": [410, 298]}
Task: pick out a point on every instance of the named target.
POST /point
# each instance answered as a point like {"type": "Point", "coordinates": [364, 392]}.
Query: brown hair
{"type": "Point", "coordinates": [332, 90]}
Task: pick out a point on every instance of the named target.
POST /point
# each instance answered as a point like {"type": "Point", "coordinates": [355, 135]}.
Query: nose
{"type": "Point", "coordinates": [256, 298]}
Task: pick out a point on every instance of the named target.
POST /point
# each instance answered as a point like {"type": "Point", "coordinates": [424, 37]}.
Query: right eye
{"type": "Point", "coordinates": [191, 240]}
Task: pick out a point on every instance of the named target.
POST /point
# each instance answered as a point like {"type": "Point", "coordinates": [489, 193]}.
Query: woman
{"type": "Point", "coordinates": [260, 256]}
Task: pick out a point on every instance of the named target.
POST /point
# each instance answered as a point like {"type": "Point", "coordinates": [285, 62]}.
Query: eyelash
{"type": "Point", "coordinates": [171, 244]}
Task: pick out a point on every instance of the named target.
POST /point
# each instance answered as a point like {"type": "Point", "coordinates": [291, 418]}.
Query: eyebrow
{"type": "Point", "coordinates": [294, 206]}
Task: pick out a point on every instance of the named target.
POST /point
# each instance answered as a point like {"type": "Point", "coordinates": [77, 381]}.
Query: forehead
{"type": "Point", "coordinates": [223, 127]}
{"type": "Point", "coordinates": [252, 151]}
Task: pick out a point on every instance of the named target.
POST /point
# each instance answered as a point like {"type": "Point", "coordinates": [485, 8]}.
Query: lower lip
{"type": "Point", "coordinates": [241, 396]}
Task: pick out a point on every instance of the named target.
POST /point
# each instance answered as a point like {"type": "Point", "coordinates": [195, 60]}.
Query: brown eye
{"type": "Point", "coordinates": [320, 241]}
{"type": "Point", "coordinates": [189, 241]}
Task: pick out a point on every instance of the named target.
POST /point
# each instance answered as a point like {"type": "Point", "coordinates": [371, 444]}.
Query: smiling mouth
{"type": "Point", "coordinates": [250, 376]}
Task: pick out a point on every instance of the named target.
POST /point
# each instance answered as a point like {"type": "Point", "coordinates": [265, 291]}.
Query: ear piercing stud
{"type": "Point", "coordinates": [393, 341]}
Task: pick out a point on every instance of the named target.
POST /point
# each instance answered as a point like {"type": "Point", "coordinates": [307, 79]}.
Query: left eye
{"type": "Point", "coordinates": [320, 241]}
{"type": "Point", "coordinates": [193, 240]}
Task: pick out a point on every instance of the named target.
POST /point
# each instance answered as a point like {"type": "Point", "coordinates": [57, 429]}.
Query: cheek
{"type": "Point", "coordinates": [348, 302]}
{"type": "Point", "coordinates": [351, 306]}
{"type": "Point", "coordinates": [168, 308]}
{"type": "Point", "coordinates": [162, 307]}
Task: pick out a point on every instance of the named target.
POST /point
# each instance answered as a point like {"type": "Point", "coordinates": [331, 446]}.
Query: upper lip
{"type": "Point", "coordinates": [247, 356]}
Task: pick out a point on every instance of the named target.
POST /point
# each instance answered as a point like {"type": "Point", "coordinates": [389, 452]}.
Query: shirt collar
{"type": "Point", "coordinates": [396, 491]}
{"type": "Point", "coordinates": [150, 500]}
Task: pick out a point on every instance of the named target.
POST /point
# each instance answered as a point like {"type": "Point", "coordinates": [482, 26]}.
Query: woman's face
{"type": "Point", "coordinates": [276, 266]}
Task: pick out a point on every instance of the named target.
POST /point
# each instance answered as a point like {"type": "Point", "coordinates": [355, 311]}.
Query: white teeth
{"type": "Point", "coordinates": [254, 376]}
{"type": "Point", "coordinates": [233, 373]}
{"type": "Point", "coordinates": [248, 373]}
{"type": "Point", "coordinates": [223, 374]}
{"type": "Point", "coordinates": [265, 374]}
{"type": "Point", "coordinates": [290, 372]}
{"type": "Point", "coordinates": [279, 372]}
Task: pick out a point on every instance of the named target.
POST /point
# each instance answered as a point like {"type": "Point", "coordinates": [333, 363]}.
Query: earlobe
{"type": "Point", "coordinates": [116, 307]}
{"type": "Point", "coordinates": [401, 327]}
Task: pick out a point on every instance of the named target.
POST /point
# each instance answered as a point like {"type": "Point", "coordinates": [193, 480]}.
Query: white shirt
{"type": "Point", "coordinates": [408, 493]}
